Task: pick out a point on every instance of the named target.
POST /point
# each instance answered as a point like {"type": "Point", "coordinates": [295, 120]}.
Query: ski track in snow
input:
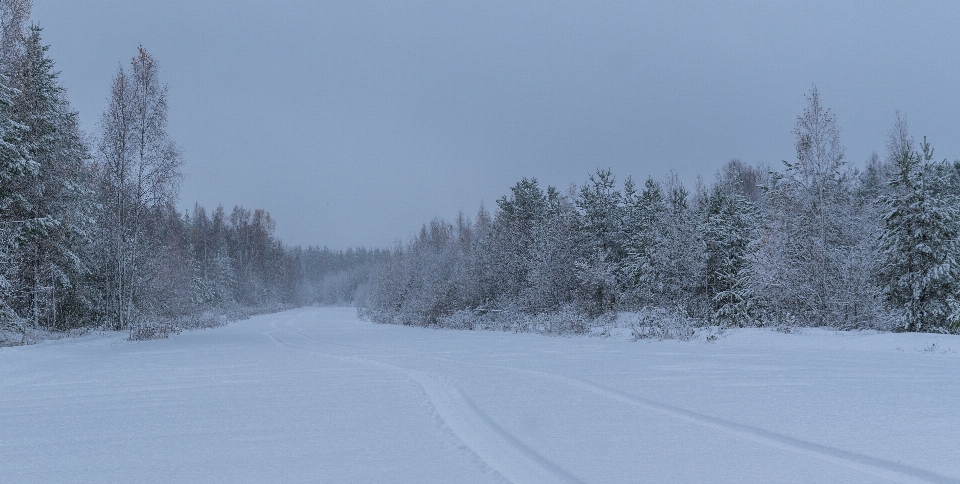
{"type": "Point", "coordinates": [496, 447]}
{"type": "Point", "coordinates": [522, 465]}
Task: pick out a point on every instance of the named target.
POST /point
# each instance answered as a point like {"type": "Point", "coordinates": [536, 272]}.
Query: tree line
{"type": "Point", "coordinates": [90, 235]}
{"type": "Point", "coordinates": [817, 242]}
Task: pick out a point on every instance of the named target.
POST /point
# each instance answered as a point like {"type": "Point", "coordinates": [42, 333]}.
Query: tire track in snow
{"type": "Point", "coordinates": [517, 462]}
{"type": "Point", "coordinates": [490, 442]}
{"type": "Point", "coordinates": [873, 466]}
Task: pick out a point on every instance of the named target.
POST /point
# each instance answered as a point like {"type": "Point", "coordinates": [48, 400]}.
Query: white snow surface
{"type": "Point", "coordinates": [316, 395]}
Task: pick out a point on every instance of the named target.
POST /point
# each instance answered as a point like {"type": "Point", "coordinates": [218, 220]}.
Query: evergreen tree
{"type": "Point", "coordinates": [601, 230]}
{"type": "Point", "coordinates": [918, 243]}
{"type": "Point", "coordinates": [55, 246]}
{"type": "Point", "coordinates": [16, 168]}
{"type": "Point", "coordinates": [727, 227]}
{"type": "Point", "coordinates": [552, 282]}
{"type": "Point", "coordinates": [515, 228]}
{"type": "Point", "coordinates": [679, 253]}
{"type": "Point", "coordinates": [645, 215]}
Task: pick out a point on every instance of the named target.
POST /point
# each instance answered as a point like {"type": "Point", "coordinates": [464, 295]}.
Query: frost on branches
{"type": "Point", "coordinates": [819, 243]}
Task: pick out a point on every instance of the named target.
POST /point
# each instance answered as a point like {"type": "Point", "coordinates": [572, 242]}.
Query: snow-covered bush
{"type": "Point", "coordinates": [665, 323]}
{"type": "Point", "coordinates": [462, 319]}
{"type": "Point", "coordinates": [11, 333]}
{"type": "Point", "coordinates": [146, 329]}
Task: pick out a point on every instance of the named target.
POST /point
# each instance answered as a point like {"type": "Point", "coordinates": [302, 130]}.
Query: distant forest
{"type": "Point", "coordinates": [815, 243]}
{"type": "Point", "coordinates": [90, 236]}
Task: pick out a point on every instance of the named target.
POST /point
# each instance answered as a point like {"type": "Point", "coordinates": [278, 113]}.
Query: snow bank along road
{"type": "Point", "coordinates": [314, 395]}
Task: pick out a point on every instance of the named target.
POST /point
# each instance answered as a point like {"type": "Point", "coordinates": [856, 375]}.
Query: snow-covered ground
{"type": "Point", "coordinates": [314, 395]}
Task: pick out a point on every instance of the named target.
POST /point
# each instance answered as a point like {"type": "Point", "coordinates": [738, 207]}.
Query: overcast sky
{"type": "Point", "coordinates": [354, 122]}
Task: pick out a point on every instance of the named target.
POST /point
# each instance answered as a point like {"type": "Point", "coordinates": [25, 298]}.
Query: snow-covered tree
{"type": "Point", "coordinates": [214, 281]}
{"type": "Point", "coordinates": [14, 15]}
{"type": "Point", "coordinates": [644, 214]}
{"type": "Point", "coordinates": [681, 253]}
{"type": "Point", "coordinates": [55, 245]}
{"type": "Point", "coordinates": [430, 278]}
{"type": "Point", "coordinates": [601, 229]}
{"type": "Point", "coordinates": [16, 165]}
{"type": "Point", "coordinates": [15, 169]}
{"type": "Point", "coordinates": [813, 258]}
{"type": "Point", "coordinates": [140, 174]}
{"type": "Point", "coordinates": [919, 240]}
{"type": "Point", "coordinates": [727, 227]}
{"type": "Point", "coordinates": [518, 221]}
{"type": "Point", "coordinates": [663, 261]}
{"type": "Point", "coordinates": [552, 282]}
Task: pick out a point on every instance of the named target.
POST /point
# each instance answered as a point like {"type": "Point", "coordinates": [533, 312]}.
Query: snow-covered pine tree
{"type": "Point", "coordinates": [729, 219]}
{"type": "Point", "coordinates": [728, 222]}
{"type": "Point", "coordinates": [645, 214]}
{"type": "Point", "coordinates": [662, 263]}
{"type": "Point", "coordinates": [678, 257]}
{"type": "Point", "coordinates": [552, 282]}
{"type": "Point", "coordinates": [918, 243]}
{"type": "Point", "coordinates": [601, 212]}
{"type": "Point", "coordinates": [16, 166]}
{"type": "Point", "coordinates": [515, 230]}
{"type": "Point", "coordinates": [55, 245]}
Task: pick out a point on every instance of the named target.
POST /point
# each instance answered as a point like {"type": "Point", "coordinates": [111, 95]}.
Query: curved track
{"type": "Point", "coordinates": [314, 395]}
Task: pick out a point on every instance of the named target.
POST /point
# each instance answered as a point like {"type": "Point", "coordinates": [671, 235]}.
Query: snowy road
{"type": "Point", "coordinates": [314, 395]}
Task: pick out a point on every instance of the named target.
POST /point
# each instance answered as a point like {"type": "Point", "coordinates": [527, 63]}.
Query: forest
{"type": "Point", "coordinates": [817, 242]}
{"type": "Point", "coordinates": [90, 234]}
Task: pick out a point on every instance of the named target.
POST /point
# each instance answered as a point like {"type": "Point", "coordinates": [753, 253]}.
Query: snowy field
{"type": "Point", "coordinates": [314, 395]}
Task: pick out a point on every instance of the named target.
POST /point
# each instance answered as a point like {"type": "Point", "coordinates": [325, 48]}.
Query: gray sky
{"type": "Point", "coordinates": [354, 122]}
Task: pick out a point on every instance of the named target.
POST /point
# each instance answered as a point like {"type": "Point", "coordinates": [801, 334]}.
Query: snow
{"type": "Point", "coordinates": [315, 395]}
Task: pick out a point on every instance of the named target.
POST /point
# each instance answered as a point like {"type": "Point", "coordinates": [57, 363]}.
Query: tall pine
{"type": "Point", "coordinates": [57, 210]}
{"type": "Point", "coordinates": [918, 242]}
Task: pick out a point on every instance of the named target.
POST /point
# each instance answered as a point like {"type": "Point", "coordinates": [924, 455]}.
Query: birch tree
{"type": "Point", "coordinates": [813, 260]}
{"type": "Point", "coordinates": [140, 168]}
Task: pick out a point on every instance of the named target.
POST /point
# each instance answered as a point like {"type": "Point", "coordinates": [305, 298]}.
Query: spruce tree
{"type": "Point", "coordinates": [726, 227]}
{"type": "Point", "coordinates": [646, 214]}
{"type": "Point", "coordinates": [918, 242]}
{"type": "Point", "coordinates": [600, 209]}
{"type": "Point", "coordinates": [55, 245]}
{"type": "Point", "coordinates": [16, 168]}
